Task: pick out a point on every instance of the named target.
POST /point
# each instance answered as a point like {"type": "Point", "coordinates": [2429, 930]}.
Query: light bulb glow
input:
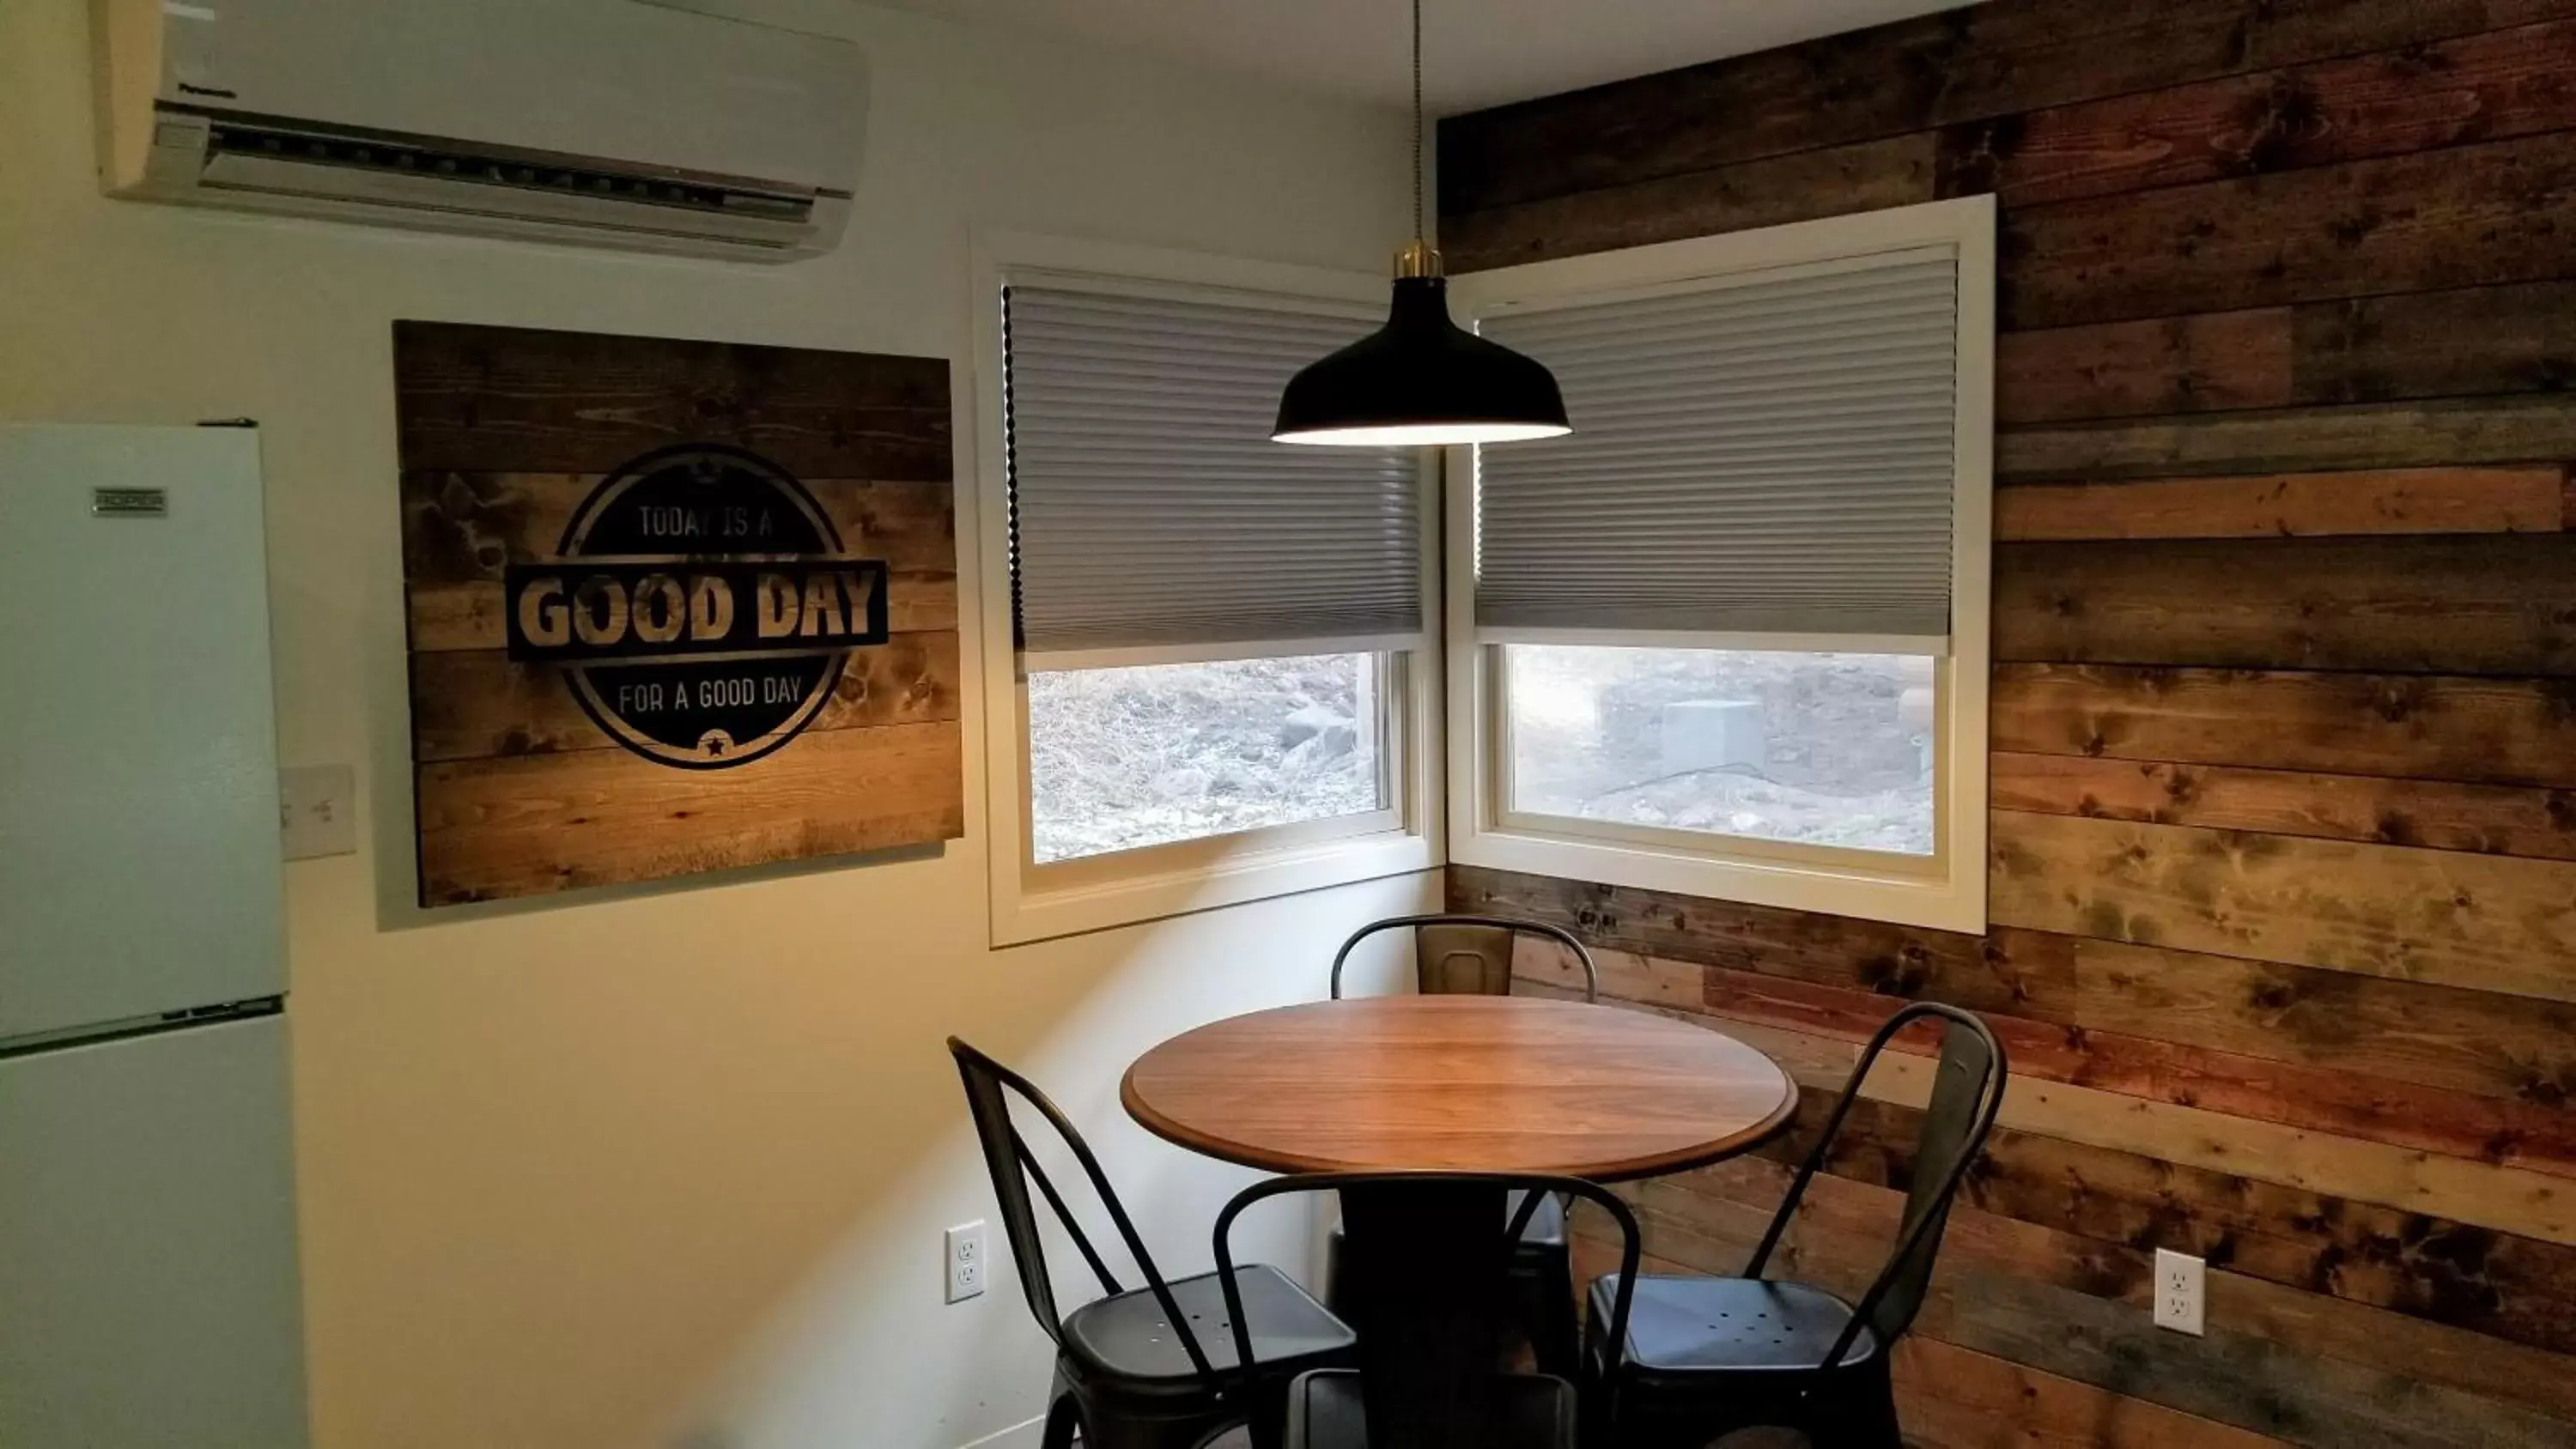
{"type": "Point", "coordinates": [1423, 435]}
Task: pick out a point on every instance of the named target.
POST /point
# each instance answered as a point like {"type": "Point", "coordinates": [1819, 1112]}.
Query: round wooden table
{"type": "Point", "coordinates": [1464, 1083]}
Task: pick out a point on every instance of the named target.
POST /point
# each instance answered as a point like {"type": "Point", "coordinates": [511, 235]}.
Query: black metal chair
{"type": "Point", "coordinates": [1461, 955]}
{"type": "Point", "coordinates": [1326, 1408]}
{"type": "Point", "coordinates": [1131, 1370]}
{"type": "Point", "coordinates": [1455, 955]}
{"type": "Point", "coordinates": [1707, 1356]}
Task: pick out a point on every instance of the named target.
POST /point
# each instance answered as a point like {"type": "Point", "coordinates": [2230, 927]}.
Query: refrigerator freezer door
{"type": "Point", "coordinates": [139, 865]}
{"type": "Point", "coordinates": [148, 1291]}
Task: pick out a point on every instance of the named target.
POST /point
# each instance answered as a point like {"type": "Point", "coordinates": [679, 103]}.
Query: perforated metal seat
{"type": "Point", "coordinates": [1688, 1325]}
{"type": "Point", "coordinates": [1130, 1335]}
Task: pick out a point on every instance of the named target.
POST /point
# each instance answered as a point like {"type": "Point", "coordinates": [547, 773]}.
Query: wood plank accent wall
{"type": "Point", "coordinates": [2284, 872]}
{"type": "Point", "coordinates": [519, 788]}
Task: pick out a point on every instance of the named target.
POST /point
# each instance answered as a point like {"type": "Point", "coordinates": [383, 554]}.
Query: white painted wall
{"type": "Point", "coordinates": [598, 1172]}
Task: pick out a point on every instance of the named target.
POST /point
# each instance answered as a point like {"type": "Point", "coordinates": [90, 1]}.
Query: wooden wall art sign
{"type": "Point", "coordinates": [674, 606]}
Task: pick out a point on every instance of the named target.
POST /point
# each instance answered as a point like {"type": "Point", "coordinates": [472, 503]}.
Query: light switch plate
{"type": "Point", "coordinates": [317, 810]}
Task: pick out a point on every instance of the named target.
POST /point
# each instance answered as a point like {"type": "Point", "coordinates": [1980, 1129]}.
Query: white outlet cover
{"type": "Point", "coordinates": [964, 1245]}
{"type": "Point", "coordinates": [2182, 1292]}
{"type": "Point", "coordinates": [317, 810]}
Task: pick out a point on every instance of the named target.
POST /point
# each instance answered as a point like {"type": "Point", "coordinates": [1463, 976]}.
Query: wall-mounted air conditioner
{"type": "Point", "coordinates": [610, 122]}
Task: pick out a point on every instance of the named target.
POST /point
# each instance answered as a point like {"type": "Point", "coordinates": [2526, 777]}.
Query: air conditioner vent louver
{"type": "Point", "coordinates": [414, 159]}
{"type": "Point", "coordinates": [641, 126]}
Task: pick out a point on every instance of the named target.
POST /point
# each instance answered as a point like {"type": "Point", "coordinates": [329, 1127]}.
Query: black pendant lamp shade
{"type": "Point", "coordinates": [1420, 380]}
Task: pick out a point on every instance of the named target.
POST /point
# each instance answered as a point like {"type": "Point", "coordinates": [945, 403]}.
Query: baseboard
{"type": "Point", "coordinates": [1023, 1435]}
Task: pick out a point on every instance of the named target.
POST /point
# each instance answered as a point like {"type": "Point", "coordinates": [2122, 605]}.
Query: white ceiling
{"type": "Point", "coordinates": [1475, 52]}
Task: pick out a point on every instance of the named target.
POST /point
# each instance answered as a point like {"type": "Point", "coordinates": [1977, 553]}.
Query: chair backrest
{"type": "Point", "coordinates": [1967, 1093]}
{"type": "Point", "coordinates": [989, 1089]}
{"type": "Point", "coordinates": [1531, 1185]}
{"type": "Point", "coordinates": [1455, 955]}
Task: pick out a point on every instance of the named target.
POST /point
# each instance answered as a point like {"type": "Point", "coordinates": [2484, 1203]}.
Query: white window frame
{"type": "Point", "coordinates": [1033, 902]}
{"type": "Point", "coordinates": [1945, 891]}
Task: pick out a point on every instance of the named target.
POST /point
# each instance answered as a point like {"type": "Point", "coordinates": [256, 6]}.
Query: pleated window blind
{"type": "Point", "coordinates": [1773, 453]}
{"type": "Point", "coordinates": [1150, 510]}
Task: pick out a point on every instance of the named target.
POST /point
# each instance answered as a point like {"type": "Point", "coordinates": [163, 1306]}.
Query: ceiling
{"type": "Point", "coordinates": [1475, 52]}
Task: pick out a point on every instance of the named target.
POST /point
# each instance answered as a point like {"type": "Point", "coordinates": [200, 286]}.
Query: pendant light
{"type": "Point", "coordinates": [1420, 380]}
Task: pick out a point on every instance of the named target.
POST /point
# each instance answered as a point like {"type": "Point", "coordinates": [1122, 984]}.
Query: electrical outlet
{"type": "Point", "coordinates": [2182, 1292]}
{"type": "Point", "coordinates": [965, 1261]}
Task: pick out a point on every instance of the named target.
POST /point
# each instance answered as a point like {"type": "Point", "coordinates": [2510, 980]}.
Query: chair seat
{"type": "Point", "coordinates": [1325, 1412]}
{"type": "Point", "coordinates": [1685, 1326]}
{"type": "Point", "coordinates": [1127, 1336]}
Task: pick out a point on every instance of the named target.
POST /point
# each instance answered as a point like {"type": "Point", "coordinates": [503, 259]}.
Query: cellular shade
{"type": "Point", "coordinates": [1150, 509]}
{"type": "Point", "coordinates": [1765, 453]}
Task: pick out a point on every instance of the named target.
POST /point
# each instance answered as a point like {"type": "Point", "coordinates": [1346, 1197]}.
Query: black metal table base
{"type": "Point", "coordinates": [1427, 1270]}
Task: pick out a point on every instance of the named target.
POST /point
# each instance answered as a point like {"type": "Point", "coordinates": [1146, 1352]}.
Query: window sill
{"type": "Point", "coordinates": [1025, 908]}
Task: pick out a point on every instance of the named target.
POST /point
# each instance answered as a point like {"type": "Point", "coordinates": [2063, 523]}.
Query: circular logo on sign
{"type": "Point", "coordinates": [700, 605]}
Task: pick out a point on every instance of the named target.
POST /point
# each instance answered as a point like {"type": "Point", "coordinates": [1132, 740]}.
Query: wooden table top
{"type": "Point", "coordinates": [1481, 1083]}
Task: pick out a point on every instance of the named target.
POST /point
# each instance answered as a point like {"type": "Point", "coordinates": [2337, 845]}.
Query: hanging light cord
{"type": "Point", "coordinates": [1417, 121]}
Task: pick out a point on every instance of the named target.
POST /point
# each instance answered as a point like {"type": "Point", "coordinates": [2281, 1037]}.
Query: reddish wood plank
{"type": "Point", "coordinates": [2401, 500]}
{"type": "Point", "coordinates": [1654, 947]}
{"type": "Point", "coordinates": [2489, 819]}
{"type": "Point", "coordinates": [2205, 363]}
{"type": "Point", "coordinates": [2541, 1136]}
{"type": "Point", "coordinates": [1869, 176]}
{"type": "Point", "coordinates": [2485, 87]}
{"type": "Point", "coordinates": [2433, 727]}
{"type": "Point", "coordinates": [2470, 216]}
{"type": "Point", "coordinates": [1997, 59]}
{"type": "Point", "coordinates": [2462, 342]}
{"type": "Point", "coordinates": [2500, 604]}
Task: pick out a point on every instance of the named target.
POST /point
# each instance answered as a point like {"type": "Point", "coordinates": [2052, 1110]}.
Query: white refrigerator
{"type": "Point", "coordinates": [148, 1287]}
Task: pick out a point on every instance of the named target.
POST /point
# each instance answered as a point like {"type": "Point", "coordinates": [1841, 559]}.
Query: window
{"type": "Point", "coordinates": [1728, 638]}
{"type": "Point", "coordinates": [1205, 644]}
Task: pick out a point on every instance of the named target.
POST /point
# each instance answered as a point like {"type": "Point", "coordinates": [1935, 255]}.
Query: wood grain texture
{"type": "Point", "coordinates": [467, 527]}
{"type": "Point", "coordinates": [2471, 216]}
{"type": "Point", "coordinates": [2289, 505]}
{"type": "Point", "coordinates": [2209, 362]}
{"type": "Point", "coordinates": [2498, 605]}
{"type": "Point", "coordinates": [508, 399]}
{"type": "Point", "coordinates": [2247, 1040]}
{"type": "Point", "coordinates": [2330, 1099]}
{"type": "Point", "coordinates": [2501, 731]}
{"type": "Point", "coordinates": [1498, 1084]}
{"type": "Point", "coordinates": [1656, 949]}
{"type": "Point", "coordinates": [1773, 191]}
{"type": "Point", "coordinates": [2485, 87]}
{"type": "Point", "coordinates": [477, 703]}
{"type": "Point", "coordinates": [2437, 434]}
{"type": "Point", "coordinates": [2436, 814]}
{"type": "Point", "coordinates": [2286, 723]}
{"type": "Point", "coordinates": [2009, 57]}
{"type": "Point", "coordinates": [1708, 1221]}
{"type": "Point", "coordinates": [535, 824]}
{"type": "Point", "coordinates": [2485, 922]}
{"type": "Point", "coordinates": [2464, 342]}
{"type": "Point", "coordinates": [1955, 1398]}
